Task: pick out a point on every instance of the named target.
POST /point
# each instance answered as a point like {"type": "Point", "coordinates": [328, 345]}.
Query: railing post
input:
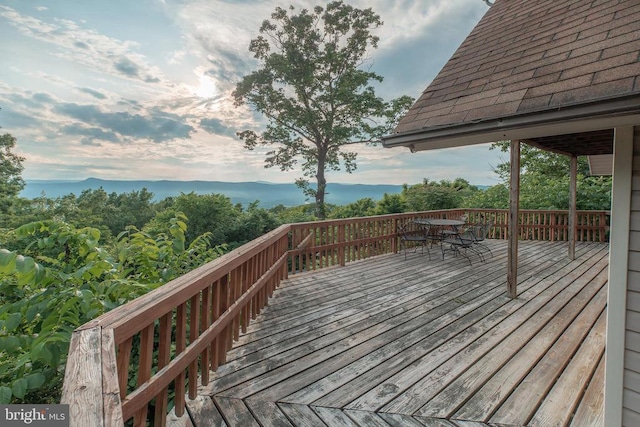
{"type": "Point", "coordinates": [514, 199]}
{"type": "Point", "coordinates": [572, 206]}
{"type": "Point", "coordinates": [90, 382]}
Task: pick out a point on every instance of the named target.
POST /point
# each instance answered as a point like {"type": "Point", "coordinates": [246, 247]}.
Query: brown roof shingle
{"type": "Point", "coordinates": [527, 57]}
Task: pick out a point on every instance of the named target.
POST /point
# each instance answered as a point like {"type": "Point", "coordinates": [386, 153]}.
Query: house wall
{"type": "Point", "coordinates": [631, 382]}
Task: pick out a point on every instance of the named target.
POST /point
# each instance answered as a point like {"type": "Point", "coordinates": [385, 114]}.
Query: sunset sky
{"type": "Point", "coordinates": [126, 89]}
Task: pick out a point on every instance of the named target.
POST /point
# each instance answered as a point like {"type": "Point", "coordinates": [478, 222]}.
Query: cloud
{"type": "Point", "coordinates": [91, 133]}
{"type": "Point", "coordinates": [157, 126]}
{"type": "Point", "coordinates": [12, 119]}
{"type": "Point", "coordinates": [86, 47]}
{"type": "Point", "coordinates": [126, 67]}
{"type": "Point", "coordinates": [93, 92]}
{"type": "Point", "coordinates": [216, 126]}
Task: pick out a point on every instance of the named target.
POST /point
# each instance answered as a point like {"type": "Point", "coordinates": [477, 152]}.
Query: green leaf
{"type": "Point", "coordinates": [24, 264]}
{"type": "Point", "coordinates": [12, 322]}
{"type": "Point", "coordinates": [35, 380]}
{"type": "Point", "coordinates": [41, 273]}
{"type": "Point", "coordinates": [27, 278]}
{"type": "Point", "coordinates": [19, 388]}
{"type": "Point", "coordinates": [40, 352]}
{"type": "Point", "coordinates": [5, 395]}
{"type": "Point", "coordinates": [9, 344]}
{"type": "Point", "coordinates": [7, 261]}
{"type": "Point", "coordinates": [32, 312]}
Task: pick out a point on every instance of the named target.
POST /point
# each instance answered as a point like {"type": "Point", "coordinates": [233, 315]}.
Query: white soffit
{"type": "Point", "coordinates": [601, 164]}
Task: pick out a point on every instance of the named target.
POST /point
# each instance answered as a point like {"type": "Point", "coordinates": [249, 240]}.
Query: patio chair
{"type": "Point", "coordinates": [444, 233]}
{"type": "Point", "coordinates": [480, 232]}
{"type": "Point", "coordinates": [461, 243]}
{"type": "Point", "coordinates": [415, 235]}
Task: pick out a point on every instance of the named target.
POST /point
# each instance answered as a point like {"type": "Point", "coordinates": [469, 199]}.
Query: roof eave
{"type": "Point", "coordinates": [581, 118]}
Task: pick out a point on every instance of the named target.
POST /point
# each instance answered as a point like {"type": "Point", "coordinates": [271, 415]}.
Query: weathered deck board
{"type": "Point", "coordinates": [390, 342]}
{"type": "Point", "coordinates": [372, 400]}
{"type": "Point", "coordinates": [268, 414]}
{"type": "Point", "coordinates": [389, 311]}
{"type": "Point", "coordinates": [381, 364]}
{"type": "Point", "coordinates": [589, 412]}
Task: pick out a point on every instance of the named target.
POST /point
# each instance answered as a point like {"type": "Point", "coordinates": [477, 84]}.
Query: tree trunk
{"type": "Point", "coordinates": [322, 187]}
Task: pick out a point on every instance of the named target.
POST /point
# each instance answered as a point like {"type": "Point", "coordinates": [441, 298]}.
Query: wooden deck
{"type": "Point", "coordinates": [389, 342]}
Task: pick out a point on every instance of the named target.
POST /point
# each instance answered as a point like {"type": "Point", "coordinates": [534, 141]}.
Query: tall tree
{"type": "Point", "coordinates": [11, 182]}
{"type": "Point", "coordinates": [315, 93]}
{"type": "Point", "coordinates": [544, 181]}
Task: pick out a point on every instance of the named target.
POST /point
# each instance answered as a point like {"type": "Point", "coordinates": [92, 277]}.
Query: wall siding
{"type": "Point", "coordinates": [631, 393]}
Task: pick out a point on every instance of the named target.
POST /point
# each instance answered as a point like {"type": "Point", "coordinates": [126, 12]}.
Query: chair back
{"type": "Point", "coordinates": [487, 228]}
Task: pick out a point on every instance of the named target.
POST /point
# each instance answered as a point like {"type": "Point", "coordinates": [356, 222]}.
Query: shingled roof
{"type": "Point", "coordinates": [535, 70]}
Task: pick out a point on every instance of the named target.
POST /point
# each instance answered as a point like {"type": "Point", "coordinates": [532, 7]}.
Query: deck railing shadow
{"type": "Point", "coordinates": [142, 360]}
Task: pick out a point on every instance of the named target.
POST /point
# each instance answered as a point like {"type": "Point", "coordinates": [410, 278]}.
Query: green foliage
{"type": "Point", "coordinates": [251, 224]}
{"type": "Point", "coordinates": [359, 208]}
{"type": "Point", "coordinates": [390, 203]}
{"type": "Point", "coordinates": [494, 197]}
{"type": "Point", "coordinates": [60, 278]}
{"type": "Point", "coordinates": [11, 182]}
{"type": "Point", "coordinates": [213, 214]}
{"type": "Point", "coordinates": [432, 195]}
{"type": "Point", "coordinates": [544, 180]}
{"type": "Point", "coordinates": [290, 215]}
{"type": "Point", "coordinates": [314, 93]}
{"type": "Point", "coordinates": [109, 213]}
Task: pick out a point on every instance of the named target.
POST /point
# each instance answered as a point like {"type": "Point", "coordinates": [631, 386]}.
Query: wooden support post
{"type": "Point", "coordinates": [573, 185]}
{"type": "Point", "coordinates": [514, 199]}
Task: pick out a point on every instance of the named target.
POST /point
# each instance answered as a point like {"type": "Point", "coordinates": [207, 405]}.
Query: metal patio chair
{"type": "Point", "coordinates": [480, 232]}
{"type": "Point", "coordinates": [461, 243]}
{"type": "Point", "coordinates": [414, 235]}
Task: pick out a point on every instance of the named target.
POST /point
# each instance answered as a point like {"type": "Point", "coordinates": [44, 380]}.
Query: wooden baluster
{"type": "Point", "coordinates": [272, 256]}
{"type": "Point", "coordinates": [194, 316]}
{"type": "Point", "coordinates": [164, 356]}
{"type": "Point", "coordinates": [215, 315]}
{"type": "Point", "coordinates": [255, 301]}
{"type": "Point", "coordinates": [248, 281]}
{"type": "Point", "coordinates": [236, 283]}
{"type": "Point", "coordinates": [224, 304]}
{"type": "Point", "coordinates": [181, 337]}
{"type": "Point", "coordinates": [144, 370]}
{"type": "Point", "coordinates": [124, 358]}
{"type": "Point", "coordinates": [205, 321]}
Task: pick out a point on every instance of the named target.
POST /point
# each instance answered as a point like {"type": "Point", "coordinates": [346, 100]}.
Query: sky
{"type": "Point", "coordinates": [141, 90]}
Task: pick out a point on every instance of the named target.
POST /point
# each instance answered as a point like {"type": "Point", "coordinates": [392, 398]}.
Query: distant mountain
{"type": "Point", "coordinates": [269, 194]}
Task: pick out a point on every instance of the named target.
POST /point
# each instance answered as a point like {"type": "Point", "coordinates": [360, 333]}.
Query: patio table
{"type": "Point", "coordinates": [438, 226]}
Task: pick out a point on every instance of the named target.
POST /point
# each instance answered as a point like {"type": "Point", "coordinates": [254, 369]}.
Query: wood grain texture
{"type": "Point", "coordinates": [591, 409]}
{"type": "Point", "coordinates": [203, 412]}
{"type": "Point", "coordinates": [82, 389]}
{"type": "Point", "coordinates": [235, 412]}
{"type": "Point", "coordinates": [110, 387]}
{"type": "Point", "coordinates": [303, 415]}
{"type": "Point", "coordinates": [334, 417]}
{"type": "Point", "coordinates": [268, 414]}
{"type": "Point", "coordinates": [175, 421]}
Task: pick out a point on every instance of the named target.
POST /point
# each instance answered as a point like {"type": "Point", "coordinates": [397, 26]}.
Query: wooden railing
{"type": "Point", "coordinates": [592, 226]}
{"type": "Point", "coordinates": [138, 359]}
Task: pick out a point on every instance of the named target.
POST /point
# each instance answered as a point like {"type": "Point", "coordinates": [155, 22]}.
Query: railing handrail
{"type": "Point", "coordinates": [185, 286]}
{"type": "Point", "coordinates": [220, 299]}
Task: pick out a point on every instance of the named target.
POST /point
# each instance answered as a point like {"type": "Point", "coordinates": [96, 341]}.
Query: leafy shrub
{"type": "Point", "coordinates": [62, 278]}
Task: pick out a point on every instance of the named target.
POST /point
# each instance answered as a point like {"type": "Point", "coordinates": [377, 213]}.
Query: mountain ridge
{"type": "Point", "coordinates": [268, 194]}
